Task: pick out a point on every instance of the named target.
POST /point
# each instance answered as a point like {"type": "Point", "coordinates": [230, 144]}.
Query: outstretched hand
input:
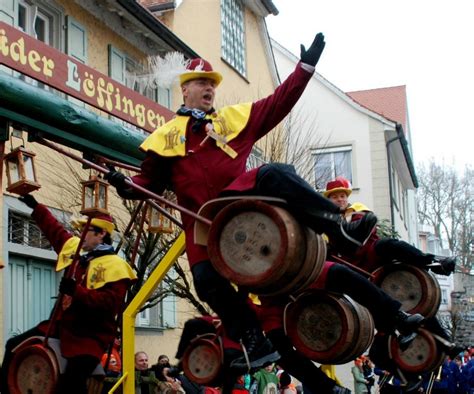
{"type": "Point", "coordinates": [312, 55]}
{"type": "Point", "coordinates": [115, 178]}
{"type": "Point", "coordinates": [29, 200]}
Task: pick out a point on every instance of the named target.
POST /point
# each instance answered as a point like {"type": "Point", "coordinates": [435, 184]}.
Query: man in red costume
{"type": "Point", "coordinates": [379, 251]}
{"type": "Point", "coordinates": [93, 295]}
{"type": "Point", "coordinates": [201, 154]}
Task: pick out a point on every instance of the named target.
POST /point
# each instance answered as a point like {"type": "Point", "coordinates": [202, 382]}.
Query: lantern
{"type": "Point", "coordinates": [94, 196]}
{"type": "Point", "coordinates": [157, 222]}
{"type": "Point", "coordinates": [21, 174]}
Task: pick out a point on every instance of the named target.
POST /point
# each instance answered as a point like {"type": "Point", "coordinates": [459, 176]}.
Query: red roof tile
{"type": "Point", "coordinates": [389, 102]}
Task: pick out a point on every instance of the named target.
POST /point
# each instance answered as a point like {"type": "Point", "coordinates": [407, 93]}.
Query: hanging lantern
{"type": "Point", "coordinates": [157, 222]}
{"type": "Point", "coordinates": [94, 196]}
{"type": "Point", "coordinates": [21, 174]}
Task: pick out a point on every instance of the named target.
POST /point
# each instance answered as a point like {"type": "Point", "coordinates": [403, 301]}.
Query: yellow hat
{"type": "Point", "coordinates": [199, 68]}
{"type": "Point", "coordinates": [105, 222]}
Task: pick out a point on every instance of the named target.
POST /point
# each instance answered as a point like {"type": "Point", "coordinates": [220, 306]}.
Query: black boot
{"type": "Point", "coordinates": [407, 325]}
{"type": "Point", "coordinates": [442, 265]}
{"type": "Point", "coordinates": [348, 237]}
{"type": "Point", "coordinates": [258, 350]}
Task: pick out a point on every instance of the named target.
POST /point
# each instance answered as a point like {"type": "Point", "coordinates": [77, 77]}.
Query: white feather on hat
{"type": "Point", "coordinates": [160, 72]}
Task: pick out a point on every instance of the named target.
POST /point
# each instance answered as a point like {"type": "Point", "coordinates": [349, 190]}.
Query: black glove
{"type": "Point", "coordinates": [67, 286]}
{"type": "Point", "coordinates": [115, 178]}
{"type": "Point", "coordinates": [312, 55]}
{"type": "Point", "coordinates": [29, 200]}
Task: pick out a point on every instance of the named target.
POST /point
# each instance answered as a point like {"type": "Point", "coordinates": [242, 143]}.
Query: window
{"type": "Point", "coordinates": [255, 159]}
{"type": "Point", "coordinates": [233, 34]}
{"type": "Point", "coordinates": [42, 22]}
{"type": "Point", "coordinates": [444, 297]}
{"type": "Point", "coordinates": [160, 316]}
{"type": "Point", "coordinates": [24, 231]}
{"type": "Point", "coordinates": [127, 71]}
{"type": "Point", "coordinates": [330, 163]}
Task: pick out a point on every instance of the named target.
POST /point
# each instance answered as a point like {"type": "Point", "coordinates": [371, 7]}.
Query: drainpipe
{"type": "Point", "coordinates": [389, 162]}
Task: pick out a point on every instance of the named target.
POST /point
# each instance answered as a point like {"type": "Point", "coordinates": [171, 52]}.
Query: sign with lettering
{"type": "Point", "coordinates": [39, 61]}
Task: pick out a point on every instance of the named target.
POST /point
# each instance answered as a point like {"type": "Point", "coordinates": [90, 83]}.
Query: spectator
{"type": "Point", "coordinates": [360, 383]}
{"type": "Point", "coordinates": [265, 380]}
{"type": "Point", "coordinates": [145, 379]}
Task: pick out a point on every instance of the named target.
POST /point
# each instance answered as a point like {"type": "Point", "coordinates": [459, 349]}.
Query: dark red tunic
{"type": "Point", "coordinates": [88, 326]}
{"type": "Point", "coordinates": [201, 175]}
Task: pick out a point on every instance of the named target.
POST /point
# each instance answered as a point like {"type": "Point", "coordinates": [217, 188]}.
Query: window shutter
{"type": "Point", "coordinates": [164, 97]}
{"type": "Point", "coordinates": [8, 11]}
{"type": "Point", "coordinates": [76, 40]}
{"type": "Point", "coordinates": [117, 62]}
{"type": "Point", "coordinates": [169, 307]}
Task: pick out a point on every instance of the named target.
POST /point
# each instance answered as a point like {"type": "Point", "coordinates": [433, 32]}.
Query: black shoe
{"type": "Point", "coordinates": [407, 325]}
{"type": "Point", "coordinates": [443, 265]}
{"type": "Point", "coordinates": [340, 390]}
{"type": "Point", "coordinates": [354, 234]}
{"type": "Point", "coordinates": [258, 351]}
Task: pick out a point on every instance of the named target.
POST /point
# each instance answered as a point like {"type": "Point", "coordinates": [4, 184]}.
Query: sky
{"type": "Point", "coordinates": [427, 45]}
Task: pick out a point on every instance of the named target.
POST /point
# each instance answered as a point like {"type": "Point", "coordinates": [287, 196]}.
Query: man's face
{"type": "Point", "coordinates": [199, 93]}
{"type": "Point", "coordinates": [93, 239]}
{"type": "Point", "coordinates": [340, 199]}
{"type": "Point", "coordinates": [164, 361]}
{"type": "Point", "coordinates": [141, 362]}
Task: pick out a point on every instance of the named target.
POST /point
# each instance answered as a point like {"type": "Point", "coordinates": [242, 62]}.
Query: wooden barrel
{"type": "Point", "coordinates": [417, 289]}
{"type": "Point", "coordinates": [328, 328]}
{"type": "Point", "coordinates": [366, 333]}
{"type": "Point", "coordinates": [34, 369]}
{"type": "Point", "coordinates": [263, 248]}
{"type": "Point", "coordinates": [423, 355]}
{"type": "Point", "coordinates": [202, 360]}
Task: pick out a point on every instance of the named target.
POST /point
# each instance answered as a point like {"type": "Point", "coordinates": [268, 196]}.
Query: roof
{"type": "Point", "coordinates": [390, 102]}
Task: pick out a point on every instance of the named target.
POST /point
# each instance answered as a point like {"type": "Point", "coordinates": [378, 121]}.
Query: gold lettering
{"type": "Point", "coordinates": [88, 85]}
{"type": "Point", "coordinates": [102, 89]}
{"type": "Point", "coordinates": [161, 120]}
{"type": "Point", "coordinates": [140, 114]}
{"type": "Point", "coordinates": [33, 58]}
{"type": "Point", "coordinates": [17, 50]}
{"type": "Point", "coordinates": [118, 105]}
{"type": "Point", "coordinates": [128, 106]}
{"type": "Point", "coordinates": [48, 66]}
{"type": "Point", "coordinates": [150, 117]}
{"type": "Point", "coordinates": [3, 43]}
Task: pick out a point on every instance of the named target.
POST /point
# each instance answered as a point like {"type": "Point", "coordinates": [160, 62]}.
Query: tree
{"type": "Point", "coordinates": [446, 202]}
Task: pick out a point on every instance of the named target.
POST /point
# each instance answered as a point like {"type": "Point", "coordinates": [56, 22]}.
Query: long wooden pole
{"type": "Point", "coordinates": [129, 183]}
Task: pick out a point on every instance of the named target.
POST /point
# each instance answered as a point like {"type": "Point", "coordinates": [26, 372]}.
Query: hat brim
{"type": "Point", "coordinates": [100, 223]}
{"type": "Point", "coordinates": [327, 193]}
{"type": "Point", "coordinates": [190, 75]}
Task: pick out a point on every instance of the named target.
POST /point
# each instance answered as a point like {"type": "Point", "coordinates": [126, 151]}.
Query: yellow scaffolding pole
{"type": "Point", "coordinates": [128, 323]}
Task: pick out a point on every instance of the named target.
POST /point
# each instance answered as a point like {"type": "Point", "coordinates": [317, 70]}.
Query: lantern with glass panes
{"type": "Point", "coordinates": [157, 222]}
{"type": "Point", "coordinates": [94, 196]}
{"type": "Point", "coordinates": [21, 173]}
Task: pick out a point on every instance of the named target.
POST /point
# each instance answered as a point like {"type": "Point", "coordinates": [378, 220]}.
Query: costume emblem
{"type": "Point", "coordinates": [171, 138]}
{"type": "Point", "coordinates": [98, 274]}
{"type": "Point", "coordinates": [222, 127]}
